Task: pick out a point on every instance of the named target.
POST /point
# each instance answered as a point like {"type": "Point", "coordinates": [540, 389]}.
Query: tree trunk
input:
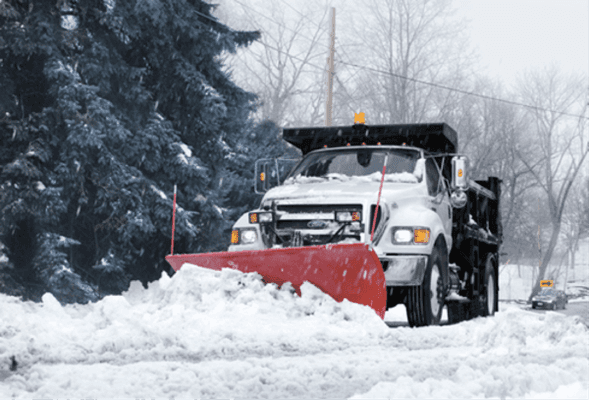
{"type": "Point", "coordinates": [566, 272]}
{"type": "Point", "coordinates": [573, 264]}
{"type": "Point", "coordinates": [546, 259]}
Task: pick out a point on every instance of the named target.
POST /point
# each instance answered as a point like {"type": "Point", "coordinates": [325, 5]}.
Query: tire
{"type": "Point", "coordinates": [425, 302]}
{"type": "Point", "coordinates": [491, 289]}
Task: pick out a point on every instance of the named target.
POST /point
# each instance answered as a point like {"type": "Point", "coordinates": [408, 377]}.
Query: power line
{"type": "Point", "coordinates": [296, 58]}
{"type": "Point", "coordinates": [280, 24]}
{"type": "Point", "coordinates": [469, 93]}
{"type": "Point", "coordinates": [462, 91]}
{"type": "Point", "coordinates": [415, 80]}
{"type": "Point", "coordinates": [337, 50]}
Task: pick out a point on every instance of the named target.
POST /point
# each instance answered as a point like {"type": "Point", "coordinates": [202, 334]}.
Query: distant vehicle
{"type": "Point", "coordinates": [550, 298]}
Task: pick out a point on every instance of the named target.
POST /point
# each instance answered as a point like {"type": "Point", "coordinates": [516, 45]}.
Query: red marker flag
{"type": "Point", "coordinates": [173, 220]}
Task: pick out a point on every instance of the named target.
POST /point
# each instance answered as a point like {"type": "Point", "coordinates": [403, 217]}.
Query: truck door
{"type": "Point", "coordinates": [439, 200]}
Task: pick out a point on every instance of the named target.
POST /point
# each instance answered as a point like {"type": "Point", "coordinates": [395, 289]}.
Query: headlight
{"type": "Point", "coordinates": [248, 236]}
{"type": "Point", "coordinates": [243, 236]}
{"type": "Point", "coordinates": [260, 217]}
{"type": "Point", "coordinates": [410, 235]}
{"type": "Point", "coordinates": [348, 216]}
{"type": "Point", "coordinates": [402, 235]}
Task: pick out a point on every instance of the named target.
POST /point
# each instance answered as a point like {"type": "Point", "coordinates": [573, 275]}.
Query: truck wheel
{"type": "Point", "coordinates": [491, 289]}
{"type": "Point", "coordinates": [426, 301]}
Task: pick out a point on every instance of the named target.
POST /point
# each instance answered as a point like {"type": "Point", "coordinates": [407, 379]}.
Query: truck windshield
{"type": "Point", "coordinates": [364, 163]}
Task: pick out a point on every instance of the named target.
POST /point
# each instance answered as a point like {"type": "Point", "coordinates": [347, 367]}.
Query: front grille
{"type": "Point", "coordinates": [299, 216]}
{"type": "Point", "coordinates": [316, 223]}
{"type": "Point", "coordinates": [318, 208]}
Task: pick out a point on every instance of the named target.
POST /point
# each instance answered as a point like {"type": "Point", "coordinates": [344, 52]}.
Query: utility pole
{"type": "Point", "coordinates": [331, 72]}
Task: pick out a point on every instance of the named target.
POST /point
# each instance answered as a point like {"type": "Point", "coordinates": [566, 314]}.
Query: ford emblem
{"type": "Point", "coordinates": [317, 224]}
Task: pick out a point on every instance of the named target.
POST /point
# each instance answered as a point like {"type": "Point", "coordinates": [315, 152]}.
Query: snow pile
{"type": "Point", "coordinates": [515, 354]}
{"type": "Point", "coordinates": [210, 334]}
{"type": "Point", "coordinates": [197, 315]}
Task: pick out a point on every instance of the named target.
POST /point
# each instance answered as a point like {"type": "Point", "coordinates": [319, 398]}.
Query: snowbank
{"type": "Point", "coordinates": [209, 334]}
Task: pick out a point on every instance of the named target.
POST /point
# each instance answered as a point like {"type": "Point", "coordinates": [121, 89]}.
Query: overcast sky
{"type": "Point", "coordinates": [514, 35]}
{"type": "Point", "coordinates": [510, 36]}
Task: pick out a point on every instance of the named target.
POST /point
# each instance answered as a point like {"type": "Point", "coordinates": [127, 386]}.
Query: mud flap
{"type": "Point", "coordinates": [343, 271]}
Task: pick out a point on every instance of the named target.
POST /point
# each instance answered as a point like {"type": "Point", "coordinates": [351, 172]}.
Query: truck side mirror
{"type": "Point", "coordinates": [459, 177]}
{"type": "Point", "coordinates": [270, 172]}
{"type": "Point", "coordinates": [266, 175]}
{"type": "Point", "coordinates": [459, 183]}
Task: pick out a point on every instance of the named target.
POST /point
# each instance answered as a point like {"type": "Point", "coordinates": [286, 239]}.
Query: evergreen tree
{"type": "Point", "coordinates": [261, 140]}
{"type": "Point", "coordinates": [105, 106]}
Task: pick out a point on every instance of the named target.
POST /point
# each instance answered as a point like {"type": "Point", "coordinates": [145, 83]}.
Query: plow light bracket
{"type": "Point", "coordinates": [261, 217]}
{"type": "Point", "coordinates": [348, 216]}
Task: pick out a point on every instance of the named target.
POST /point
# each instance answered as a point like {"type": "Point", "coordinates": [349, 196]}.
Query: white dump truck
{"type": "Point", "coordinates": [433, 242]}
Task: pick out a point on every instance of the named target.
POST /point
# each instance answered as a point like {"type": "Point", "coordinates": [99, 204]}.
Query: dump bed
{"type": "Point", "coordinates": [434, 138]}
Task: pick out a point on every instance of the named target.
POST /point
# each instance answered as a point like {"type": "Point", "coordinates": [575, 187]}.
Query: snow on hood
{"type": "Point", "coordinates": [402, 177]}
{"type": "Point", "coordinates": [342, 185]}
{"type": "Point", "coordinates": [224, 334]}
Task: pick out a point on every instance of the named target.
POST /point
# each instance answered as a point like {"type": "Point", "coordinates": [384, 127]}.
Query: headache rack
{"type": "Point", "coordinates": [434, 138]}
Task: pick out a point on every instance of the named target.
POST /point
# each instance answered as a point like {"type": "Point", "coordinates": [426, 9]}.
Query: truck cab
{"type": "Point", "coordinates": [331, 195]}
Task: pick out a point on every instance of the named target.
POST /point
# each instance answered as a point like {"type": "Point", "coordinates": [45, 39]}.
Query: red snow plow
{"type": "Point", "coordinates": [343, 271]}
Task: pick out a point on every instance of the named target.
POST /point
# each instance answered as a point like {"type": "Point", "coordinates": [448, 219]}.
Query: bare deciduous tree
{"type": "Point", "coordinates": [408, 40]}
{"type": "Point", "coordinates": [559, 148]}
{"type": "Point", "coordinates": [576, 223]}
{"type": "Point", "coordinates": [284, 65]}
{"type": "Point", "coordinates": [489, 132]}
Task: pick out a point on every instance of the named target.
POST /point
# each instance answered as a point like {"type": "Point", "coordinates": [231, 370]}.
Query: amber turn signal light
{"type": "Point", "coordinates": [234, 236]}
{"type": "Point", "coordinates": [421, 236]}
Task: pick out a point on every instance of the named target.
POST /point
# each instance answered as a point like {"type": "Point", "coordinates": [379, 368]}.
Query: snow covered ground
{"type": "Point", "coordinates": [207, 334]}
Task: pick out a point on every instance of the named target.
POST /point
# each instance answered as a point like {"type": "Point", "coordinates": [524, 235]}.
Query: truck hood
{"type": "Point", "coordinates": [329, 190]}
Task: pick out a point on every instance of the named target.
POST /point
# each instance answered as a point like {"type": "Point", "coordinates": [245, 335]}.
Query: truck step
{"type": "Point", "coordinates": [456, 298]}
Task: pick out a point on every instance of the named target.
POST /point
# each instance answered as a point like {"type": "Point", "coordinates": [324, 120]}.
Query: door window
{"type": "Point", "coordinates": [433, 177]}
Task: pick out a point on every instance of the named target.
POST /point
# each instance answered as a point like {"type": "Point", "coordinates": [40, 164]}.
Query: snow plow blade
{"type": "Point", "coordinates": [343, 271]}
